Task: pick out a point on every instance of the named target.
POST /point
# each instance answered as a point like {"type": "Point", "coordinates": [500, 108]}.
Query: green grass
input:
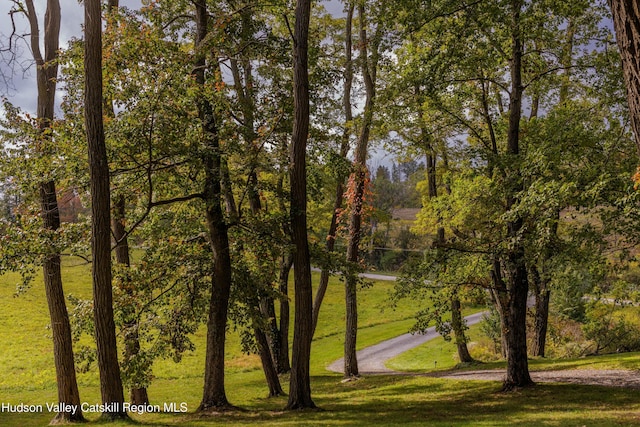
{"type": "Point", "coordinates": [434, 355]}
{"type": "Point", "coordinates": [28, 376]}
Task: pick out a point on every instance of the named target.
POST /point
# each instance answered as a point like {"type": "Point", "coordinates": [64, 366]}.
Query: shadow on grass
{"type": "Point", "coordinates": [417, 401]}
{"type": "Point", "coordinates": [393, 400]}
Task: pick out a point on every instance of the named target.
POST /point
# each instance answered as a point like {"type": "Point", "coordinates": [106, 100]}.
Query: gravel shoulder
{"type": "Point", "coordinates": [604, 377]}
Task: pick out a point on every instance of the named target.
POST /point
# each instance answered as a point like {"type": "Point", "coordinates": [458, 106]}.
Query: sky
{"type": "Point", "coordinates": [17, 78]}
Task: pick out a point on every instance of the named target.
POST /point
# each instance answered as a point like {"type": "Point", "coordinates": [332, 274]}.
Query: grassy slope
{"type": "Point", "coordinates": [28, 377]}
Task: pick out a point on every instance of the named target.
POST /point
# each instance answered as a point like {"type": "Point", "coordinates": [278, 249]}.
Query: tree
{"type": "Point", "coordinates": [369, 54]}
{"type": "Point", "coordinates": [300, 381]}
{"type": "Point", "coordinates": [138, 393]}
{"type": "Point", "coordinates": [47, 71]}
{"type": "Point", "coordinates": [469, 87]}
{"type": "Point", "coordinates": [214, 395]}
{"type": "Point", "coordinates": [344, 150]}
{"type": "Point", "coordinates": [424, 131]}
{"type": "Point", "coordinates": [110, 380]}
{"type": "Point", "coordinates": [512, 294]}
{"type": "Point", "coordinates": [626, 22]}
{"type": "Point", "coordinates": [262, 301]}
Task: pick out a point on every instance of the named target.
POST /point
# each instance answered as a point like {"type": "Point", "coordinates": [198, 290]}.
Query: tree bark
{"type": "Point", "coordinates": [515, 311]}
{"type": "Point", "coordinates": [137, 395]}
{"type": "Point", "coordinates": [542, 297]}
{"type": "Point", "coordinates": [270, 373]}
{"type": "Point", "coordinates": [457, 324]}
{"type": "Point", "coordinates": [626, 23]}
{"type": "Point", "coordinates": [60, 327]}
{"type": "Point", "coordinates": [282, 363]}
{"type": "Point", "coordinates": [110, 380]}
{"type": "Point", "coordinates": [214, 395]}
{"type": "Point", "coordinates": [344, 150]}
{"type": "Point", "coordinates": [46, 74]}
{"type": "Point", "coordinates": [300, 381]}
{"type": "Point", "coordinates": [268, 345]}
{"type": "Point", "coordinates": [359, 178]}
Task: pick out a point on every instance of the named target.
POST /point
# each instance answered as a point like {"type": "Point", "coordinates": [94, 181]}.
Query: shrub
{"type": "Point", "coordinates": [608, 331]}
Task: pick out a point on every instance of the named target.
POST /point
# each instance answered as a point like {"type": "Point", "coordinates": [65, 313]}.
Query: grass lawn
{"type": "Point", "coordinates": [29, 378]}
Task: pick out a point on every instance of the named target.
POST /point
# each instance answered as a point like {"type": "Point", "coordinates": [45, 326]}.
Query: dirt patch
{"type": "Point", "coordinates": [407, 214]}
{"type": "Point", "coordinates": [602, 377]}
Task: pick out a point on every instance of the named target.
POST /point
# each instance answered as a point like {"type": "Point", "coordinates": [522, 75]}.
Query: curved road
{"type": "Point", "coordinates": [371, 360]}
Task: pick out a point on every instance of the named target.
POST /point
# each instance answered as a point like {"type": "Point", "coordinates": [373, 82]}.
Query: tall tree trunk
{"type": "Point", "coordinates": [110, 380]}
{"type": "Point", "coordinates": [359, 178]}
{"type": "Point", "coordinates": [60, 326]}
{"type": "Point", "coordinates": [268, 346]}
{"type": "Point", "coordinates": [137, 395]}
{"type": "Point", "coordinates": [282, 363]}
{"type": "Point", "coordinates": [214, 395]}
{"type": "Point", "coordinates": [515, 311]}
{"type": "Point", "coordinates": [541, 291]}
{"type": "Point", "coordinates": [626, 22]}
{"type": "Point", "coordinates": [46, 74]}
{"type": "Point", "coordinates": [300, 381]}
{"type": "Point", "coordinates": [344, 150]}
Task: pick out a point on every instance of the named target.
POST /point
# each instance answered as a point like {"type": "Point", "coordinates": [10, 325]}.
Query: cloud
{"type": "Point", "coordinates": [17, 71]}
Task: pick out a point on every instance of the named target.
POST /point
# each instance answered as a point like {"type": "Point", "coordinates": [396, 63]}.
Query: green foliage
{"type": "Point", "coordinates": [434, 281]}
{"type": "Point", "coordinates": [609, 331]}
{"type": "Point", "coordinates": [490, 327]}
{"type": "Point", "coordinates": [565, 338]}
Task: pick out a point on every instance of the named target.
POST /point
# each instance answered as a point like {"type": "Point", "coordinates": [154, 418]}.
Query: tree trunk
{"type": "Point", "coordinates": [268, 312]}
{"type": "Point", "coordinates": [270, 373]}
{"type": "Point", "coordinates": [214, 395]}
{"type": "Point", "coordinates": [60, 327]}
{"type": "Point", "coordinates": [282, 363]}
{"type": "Point", "coordinates": [626, 22]}
{"type": "Point", "coordinates": [542, 296]}
{"type": "Point", "coordinates": [268, 345]}
{"type": "Point", "coordinates": [359, 178]}
{"type": "Point", "coordinates": [344, 150]}
{"type": "Point", "coordinates": [138, 395]}
{"type": "Point", "coordinates": [46, 74]}
{"type": "Point", "coordinates": [110, 380]}
{"type": "Point", "coordinates": [457, 324]}
{"type": "Point", "coordinates": [515, 324]}
{"type": "Point", "coordinates": [515, 312]}
{"type": "Point", "coordinates": [540, 324]}
{"type": "Point", "coordinates": [300, 381]}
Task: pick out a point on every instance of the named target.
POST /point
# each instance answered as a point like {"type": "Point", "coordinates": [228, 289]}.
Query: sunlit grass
{"type": "Point", "coordinates": [28, 376]}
